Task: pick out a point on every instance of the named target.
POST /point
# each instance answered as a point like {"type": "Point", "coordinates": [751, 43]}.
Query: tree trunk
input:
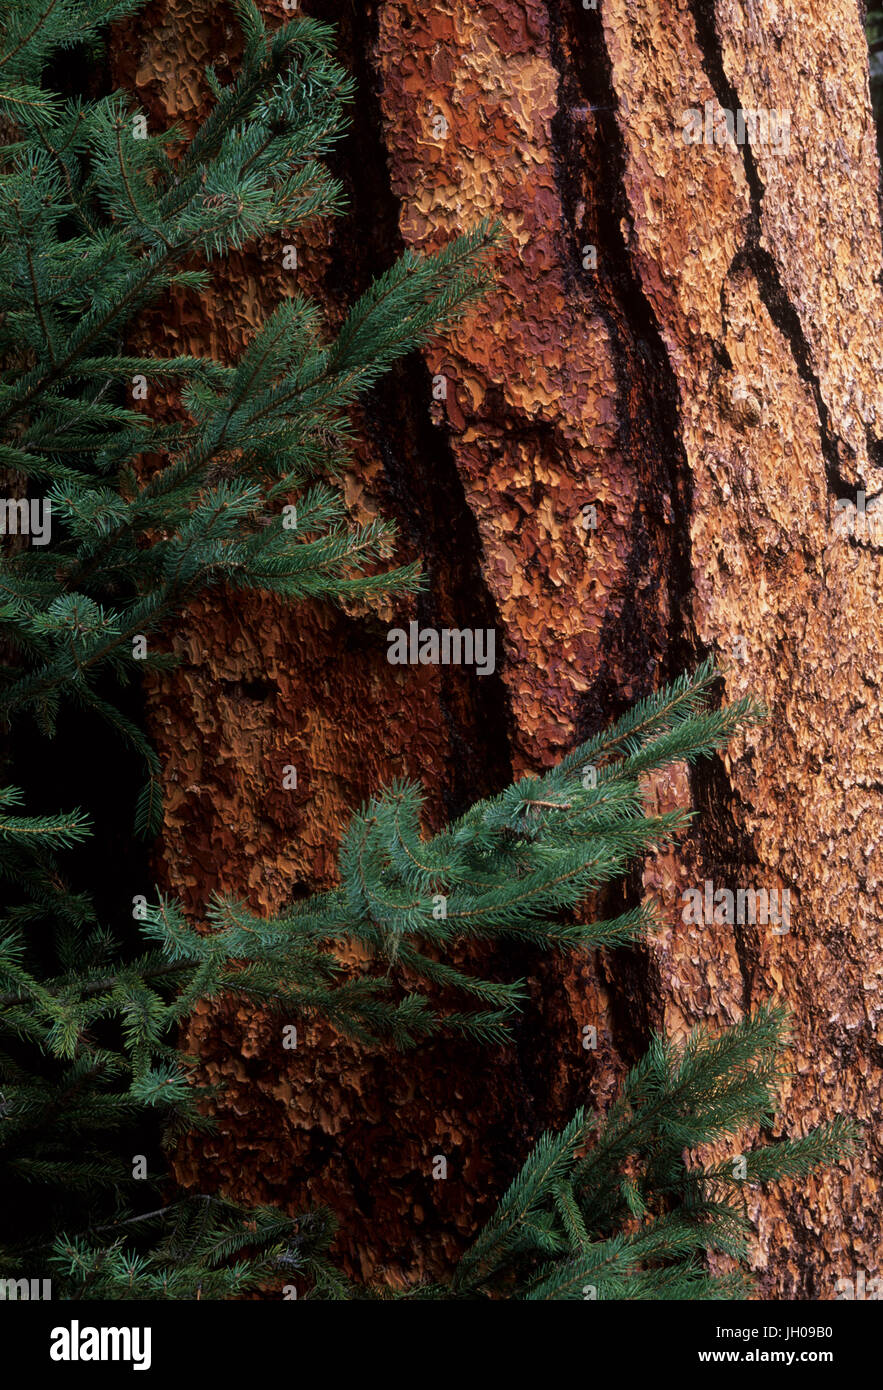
{"type": "Point", "coordinates": [685, 337]}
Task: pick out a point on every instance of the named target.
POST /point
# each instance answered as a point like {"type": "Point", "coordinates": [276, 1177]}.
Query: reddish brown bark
{"type": "Point", "coordinates": [712, 387]}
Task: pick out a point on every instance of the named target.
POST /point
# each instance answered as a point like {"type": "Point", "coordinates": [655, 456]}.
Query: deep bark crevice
{"type": "Point", "coordinates": [424, 485]}
{"type": "Point", "coordinates": [590, 161]}
{"type": "Point", "coordinates": [726, 852]}
{"type": "Point", "coordinates": [647, 397]}
{"type": "Point", "coordinates": [758, 259]}
{"type": "Point", "coordinates": [427, 497]}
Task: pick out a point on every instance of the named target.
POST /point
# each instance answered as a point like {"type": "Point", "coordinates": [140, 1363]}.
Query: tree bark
{"type": "Point", "coordinates": [711, 382]}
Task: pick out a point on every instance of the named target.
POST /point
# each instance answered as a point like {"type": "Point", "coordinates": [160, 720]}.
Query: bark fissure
{"type": "Point", "coordinates": [647, 395]}
{"type": "Point", "coordinates": [756, 257]}
{"type": "Point", "coordinates": [590, 162]}
{"type": "Point", "coordinates": [420, 470]}
{"type": "Point", "coordinates": [432, 507]}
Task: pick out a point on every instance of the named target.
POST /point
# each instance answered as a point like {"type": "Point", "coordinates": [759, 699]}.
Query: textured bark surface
{"type": "Point", "coordinates": [712, 387]}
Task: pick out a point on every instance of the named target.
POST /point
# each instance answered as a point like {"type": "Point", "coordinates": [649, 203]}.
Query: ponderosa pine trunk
{"type": "Point", "coordinates": [685, 337]}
